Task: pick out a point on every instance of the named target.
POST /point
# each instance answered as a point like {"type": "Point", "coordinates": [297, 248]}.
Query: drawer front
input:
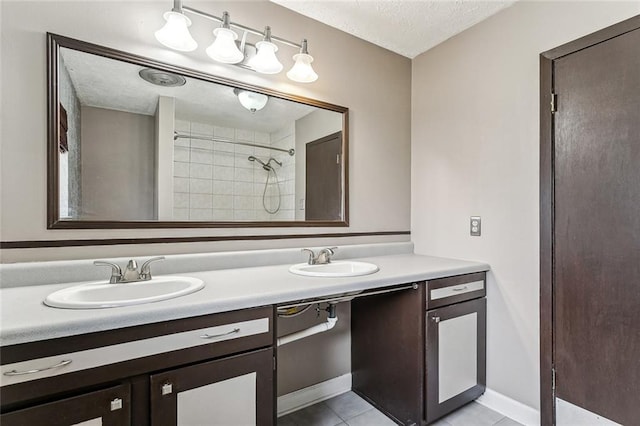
{"type": "Point", "coordinates": [223, 334]}
{"type": "Point", "coordinates": [107, 407]}
{"type": "Point", "coordinates": [450, 290]}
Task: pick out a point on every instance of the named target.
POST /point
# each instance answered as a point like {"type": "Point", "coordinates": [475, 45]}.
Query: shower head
{"type": "Point", "coordinates": [265, 166]}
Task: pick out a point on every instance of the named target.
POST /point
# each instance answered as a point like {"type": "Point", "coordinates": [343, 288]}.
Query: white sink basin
{"type": "Point", "coordinates": [95, 295]}
{"type": "Point", "coordinates": [334, 269]}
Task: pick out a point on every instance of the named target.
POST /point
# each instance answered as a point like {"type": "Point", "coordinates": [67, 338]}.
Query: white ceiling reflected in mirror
{"type": "Point", "coordinates": [144, 144]}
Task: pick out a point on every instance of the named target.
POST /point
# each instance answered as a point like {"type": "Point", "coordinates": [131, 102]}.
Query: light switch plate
{"type": "Point", "coordinates": [475, 226]}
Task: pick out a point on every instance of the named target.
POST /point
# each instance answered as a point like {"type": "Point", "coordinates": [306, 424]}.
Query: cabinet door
{"type": "Point", "coordinates": [108, 407]}
{"type": "Point", "coordinates": [456, 356]}
{"type": "Point", "coordinates": [231, 391]}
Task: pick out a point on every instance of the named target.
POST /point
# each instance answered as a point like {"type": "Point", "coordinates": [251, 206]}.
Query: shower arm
{"type": "Point", "coordinates": [177, 136]}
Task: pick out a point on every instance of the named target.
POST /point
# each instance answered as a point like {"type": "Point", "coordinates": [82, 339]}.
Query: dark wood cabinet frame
{"type": "Point", "coordinates": [164, 408]}
{"type": "Point", "coordinates": [387, 358]}
{"type": "Point", "coordinates": [547, 172]}
{"type": "Point", "coordinates": [434, 408]}
{"type": "Point", "coordinates": [22, 395]}
{"type": "Point", "coordinates": [76, 409]}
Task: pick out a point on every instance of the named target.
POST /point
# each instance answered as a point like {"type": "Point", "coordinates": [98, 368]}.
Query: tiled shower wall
{"type": "Point", "coordinates": [71, 205]}
{"type": "Point", "coordinates": [216, 181]}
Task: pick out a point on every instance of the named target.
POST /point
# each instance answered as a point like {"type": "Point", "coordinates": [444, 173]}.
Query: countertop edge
{"type": "Point", "coordinates": [159, 312]}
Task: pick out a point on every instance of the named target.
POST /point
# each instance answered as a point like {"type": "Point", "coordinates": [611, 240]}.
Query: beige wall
{"type": "Point", "coordinates": [475, 152]}
{"type": "Point", "coordinates": [378, 201]}
{"type": "Point", "coordinates": [118, 151]}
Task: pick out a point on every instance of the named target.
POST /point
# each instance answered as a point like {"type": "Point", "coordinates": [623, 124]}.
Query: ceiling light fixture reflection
{"type": "Point", "coordinates": [251, 100]}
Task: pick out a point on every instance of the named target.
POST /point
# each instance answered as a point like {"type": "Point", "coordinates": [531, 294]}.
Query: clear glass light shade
{"type": "Point", "coordinates": [175, 33]}
{"type": "Point", "coordinates": [224, 48]}
{"type": "Point", "coordinates": [252, 101]}
{"type": "Point", "coordinates": [302, 72]}
{"type": "Point", "coordinates": [265, 61]}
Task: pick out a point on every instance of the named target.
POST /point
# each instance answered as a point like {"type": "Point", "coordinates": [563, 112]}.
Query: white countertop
{"type": "Point", "coordinates": [26, 319]}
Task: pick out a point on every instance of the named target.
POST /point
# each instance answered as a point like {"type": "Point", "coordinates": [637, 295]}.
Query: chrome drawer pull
{"type": "Point", "coordinates": [460, 288]}
{"type": "Point", "coordinates": [213, 336]}
{"type": "Point", "coordinates": [116, 404]}
{"type": "Point", "coordinates": [38, 370]}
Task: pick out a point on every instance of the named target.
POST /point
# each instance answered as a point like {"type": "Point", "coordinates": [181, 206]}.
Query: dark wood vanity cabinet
{"type": "Point", "coordinates": [418, 355]}
{"type": "Point", "coordinates": [387, 356]}
{"type": "Point", "coordinates": [237, 390]}
{"type": "Point", "coordinates": [107, 407]}
{"type": "Point", "coordinates": [153, 374]}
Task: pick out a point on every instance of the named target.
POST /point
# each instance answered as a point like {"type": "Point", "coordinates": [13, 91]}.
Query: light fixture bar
{"type": "Point", "coordinates": [233, 24]}
{"type": "Point", "coordinates": [177, 6]}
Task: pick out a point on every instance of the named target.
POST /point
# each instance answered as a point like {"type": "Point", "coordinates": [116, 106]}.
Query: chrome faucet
{"type": "Point", "coordinates": [323, 257]}
{"type": "Point", "coordinates": [131, 273]}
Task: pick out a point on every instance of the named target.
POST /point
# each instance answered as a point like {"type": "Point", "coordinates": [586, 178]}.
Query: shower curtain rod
{"type": "Point", "coordinates": [177, 136]}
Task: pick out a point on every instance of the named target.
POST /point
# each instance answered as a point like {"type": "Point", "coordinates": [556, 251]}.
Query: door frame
{"type": "Point", "coordinates": [547, 174]}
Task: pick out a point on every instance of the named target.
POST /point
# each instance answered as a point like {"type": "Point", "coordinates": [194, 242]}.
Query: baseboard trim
{"type": "Point", "coordinates": [313, 394]}
{"type": "Point", "coordinates": [511, 408]}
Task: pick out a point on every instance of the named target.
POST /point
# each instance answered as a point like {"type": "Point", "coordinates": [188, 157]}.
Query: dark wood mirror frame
{"type": "Point", "coordinates": [55, 42]}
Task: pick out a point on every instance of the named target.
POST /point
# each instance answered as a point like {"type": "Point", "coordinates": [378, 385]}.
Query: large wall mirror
{"type": "Point", "coordinates": [134, 142]}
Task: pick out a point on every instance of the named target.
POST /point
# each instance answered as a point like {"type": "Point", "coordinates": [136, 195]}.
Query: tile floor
{"type": "Point", "coordinates": [349, 409]}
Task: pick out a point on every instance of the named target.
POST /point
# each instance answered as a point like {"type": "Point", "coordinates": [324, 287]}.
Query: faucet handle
{"type": "Point", "coordinates": [145, 271]}
{"type": "Point", "coordinates": [325, 254]}
{"type": "Point", "coordinates": [116, 271]}
{"type": "Point", "coordinates": [312, 256]}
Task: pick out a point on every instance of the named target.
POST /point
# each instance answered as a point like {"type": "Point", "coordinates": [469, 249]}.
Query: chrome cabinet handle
{"type": "Point", "coordinates": [213, 336]}
{"type": "Point", "coordinates": [37, 370]}
{"type": "Point", "coordinates": [116, 404]}
{"type": "Point", "coordinates": [459, 288]}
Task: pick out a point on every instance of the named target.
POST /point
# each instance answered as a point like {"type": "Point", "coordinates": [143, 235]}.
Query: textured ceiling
{"type": "Point", "coordinates": [106, 83]}
{"type": "Point", "coordinates": [405, 27]}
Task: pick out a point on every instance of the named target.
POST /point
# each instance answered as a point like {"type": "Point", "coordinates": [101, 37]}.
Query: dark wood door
{"type": "Point", "coordinates": [456, 352]}
{"type": "Point", "coordinates": [108, 407]}
{"type": "Point", "coordinates": [597, 228]}
{"type": "Point", "coordinates": [323, 197]}
{"type": "Point", "coordinates": [236, 390]}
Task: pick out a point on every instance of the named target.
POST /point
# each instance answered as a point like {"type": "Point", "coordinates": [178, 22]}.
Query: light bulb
{"type": "Point", "coordinates": [265, 61]}
{"type": "Point", "coordinates": [175, 33]}
{"type": "Point", "coordinates": [302, 72]}
{"type": "Point", "coordinates": [224, 48]}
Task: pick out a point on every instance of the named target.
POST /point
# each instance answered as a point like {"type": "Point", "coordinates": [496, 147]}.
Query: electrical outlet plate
{"type": "Point", "coordinates": [475, 226]}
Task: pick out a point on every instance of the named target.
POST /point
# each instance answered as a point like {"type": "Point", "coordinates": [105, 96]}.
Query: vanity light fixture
{"type": "Point", "coordinates": [251, 100]}
{"type": "Point", "coordinates": [302, 71]}
{"type": "Point", "coordinates": [175, 33]}
{"type": "Point", "coordinates": [265, 61]}
{"type": "Point", "coordinates": [226, 49]}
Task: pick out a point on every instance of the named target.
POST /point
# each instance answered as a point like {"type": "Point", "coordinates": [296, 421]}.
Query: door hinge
{"type": "Point", "coordinates": [275, 364]}
{"type": "Point", "coordinates": [554, 102]}
{"type": "Point", "coordinates": [553, 380]}
{"type": "Point", "coordinates": [337, 158]}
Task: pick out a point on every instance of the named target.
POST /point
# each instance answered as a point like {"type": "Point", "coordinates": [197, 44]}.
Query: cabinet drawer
{"type": "Point", "coordinates": [221, 335]}
{"type": "Point", "coordinates": [107, 407]}
{"type": "Point", "coordinates": [446, 291]}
